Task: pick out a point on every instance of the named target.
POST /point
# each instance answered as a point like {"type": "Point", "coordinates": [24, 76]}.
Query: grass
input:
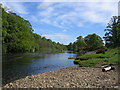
{"type": "Point", "coordinates": [110, 57]}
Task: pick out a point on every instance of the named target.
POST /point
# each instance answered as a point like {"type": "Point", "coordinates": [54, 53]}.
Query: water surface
{"type": "Point", "coordinates": [20, 65]}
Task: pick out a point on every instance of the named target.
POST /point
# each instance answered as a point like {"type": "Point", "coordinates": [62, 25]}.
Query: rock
{"type": "Point", "coordinates": [73, 77]}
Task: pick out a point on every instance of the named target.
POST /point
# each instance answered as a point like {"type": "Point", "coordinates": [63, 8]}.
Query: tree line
{"type": "Point", "coordinates": [18, 36]}
{"type": "Point", "coordinates": [90, 42]}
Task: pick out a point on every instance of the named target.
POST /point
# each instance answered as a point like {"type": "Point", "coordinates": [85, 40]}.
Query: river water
{"type": "Point", "coordinates": [16, 66]}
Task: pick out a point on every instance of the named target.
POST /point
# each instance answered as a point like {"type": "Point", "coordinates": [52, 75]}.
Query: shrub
{"type": "Point", "coordinates": [101, 50]}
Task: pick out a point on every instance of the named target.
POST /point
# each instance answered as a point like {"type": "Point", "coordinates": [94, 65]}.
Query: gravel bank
{"type": "Point", "coordinates": [72, 77]}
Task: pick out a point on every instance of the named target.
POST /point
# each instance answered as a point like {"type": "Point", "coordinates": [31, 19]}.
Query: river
{"type": "Point", "coordinates": [16, 66]}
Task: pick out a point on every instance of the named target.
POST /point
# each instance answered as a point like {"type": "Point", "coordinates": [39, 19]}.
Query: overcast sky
{"type": "Point", "coordinates": [64, 21]}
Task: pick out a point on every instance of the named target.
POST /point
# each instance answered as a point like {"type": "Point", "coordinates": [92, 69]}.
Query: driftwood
{"type": "Point", "coordinates": [108, 69]}
{"type": "Point", "coordinates": [81, 59]}
{"type": "Point", "coordinates": [71, 58]}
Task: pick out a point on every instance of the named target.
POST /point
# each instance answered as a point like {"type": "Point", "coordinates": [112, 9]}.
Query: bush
{"type": "Point", "coordinates": [101, 50]}
{"type": "Point", "coordinates": [88, 48]}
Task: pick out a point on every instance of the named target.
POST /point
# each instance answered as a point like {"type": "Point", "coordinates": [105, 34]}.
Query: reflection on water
{"type": "Point", "coordinates": [20, 65]}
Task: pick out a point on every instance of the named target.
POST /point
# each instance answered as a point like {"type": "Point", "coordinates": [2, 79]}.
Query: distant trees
{"type": "Point", "coordinates": [93, 40]}
{"type": "Point", "coordinates": [18, 36]}
{"type": "Point", "coordinates": [80, 42]}
{"type": "Point", "coordinates": [90, 42]}
{"type": "Point", "coordinates": [70, 46]}
{"type": "Point", "coordinates": [112, 35]}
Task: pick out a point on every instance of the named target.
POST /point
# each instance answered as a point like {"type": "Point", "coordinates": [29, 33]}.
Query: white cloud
{"type": "Point", "coordinates": [64, 30]}
{"type": "Point", "coordinates": [94, 17]}
{"type": "Point", "coordinates": [61, 0]}
{"type": "Point", "coordinates": [58, 37]}
{"type": "Point", "coordinates": [45, 20]}
{"type": "Point", "coordinates": [44, 5]}
{"type": "Point", "coordinates": [80, 24]}
{"type": "Point", "coordinates": [103, 7]}
{"type": "Point", "coordinates": [34, 19]}
{"type": "Point", "coordinates": [63, 15]}
{"type": "Point", "coordinates": [46, 12]}
{"type": "Point", "coordinates": [16, 6]}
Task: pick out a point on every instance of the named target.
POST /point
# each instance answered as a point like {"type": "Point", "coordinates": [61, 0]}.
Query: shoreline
{"type": "Point", "coordinates": [70, 77]}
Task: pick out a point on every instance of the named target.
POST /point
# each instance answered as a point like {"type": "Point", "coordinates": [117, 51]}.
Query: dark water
{"type": "Point", "coordinates": [20, 65]}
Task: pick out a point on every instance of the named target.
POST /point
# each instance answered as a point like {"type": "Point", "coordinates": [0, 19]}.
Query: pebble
{"type": "Point", "coordinates": [72, 77]}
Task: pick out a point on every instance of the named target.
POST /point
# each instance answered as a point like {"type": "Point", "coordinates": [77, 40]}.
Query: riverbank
{"type": "Point", "coordinates": [71, 77]}
{"type": "Point", "coordinates": [110, 57]}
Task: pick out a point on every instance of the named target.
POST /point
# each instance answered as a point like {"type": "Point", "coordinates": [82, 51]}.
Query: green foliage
{"type": "Point", "coordinates": [110, 57]}
{"type": "Point", "coordinates": [101, 50]}
{"type": "Point", "coordinates": [90, 42]}
{"type": "Point", "coordinates": [113, 32]}
{"type": "Point", "coordinates": [18, 36]}
{"type": "Point", "coordinates": [93, 40]}
{"type": "Point", "coordinates": [70, 46]}
{"type": "Point", "coordinates": [91, 56]}
{"type": "Point", "coordinates": [80, 42]}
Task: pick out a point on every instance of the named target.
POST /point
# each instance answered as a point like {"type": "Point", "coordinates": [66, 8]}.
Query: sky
{"type": "Point", "coordinates": [64, 21]}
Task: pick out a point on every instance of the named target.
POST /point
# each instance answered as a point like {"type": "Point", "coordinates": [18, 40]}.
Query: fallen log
{"type": "Point", "coordinates": [107, 69]}
{"type": "Point", "coordinates": [71, 58]}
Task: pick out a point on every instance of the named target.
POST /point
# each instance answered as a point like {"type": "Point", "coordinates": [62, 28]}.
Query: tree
{"type": "Point", "coordinates": [90, 42]}
{"type": "Point", "coordinates": [18, 36]}
{"type": "Point", "coordinates": [75, 46]}
{"type": "Point", "coordinates": [93, 41]}
{"type": "Point", "coordinates": [80, 42]}
{"type": "Point", "coordinates": [70, 46]}
{"type": "Point", "coordinates": [113, 32]}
